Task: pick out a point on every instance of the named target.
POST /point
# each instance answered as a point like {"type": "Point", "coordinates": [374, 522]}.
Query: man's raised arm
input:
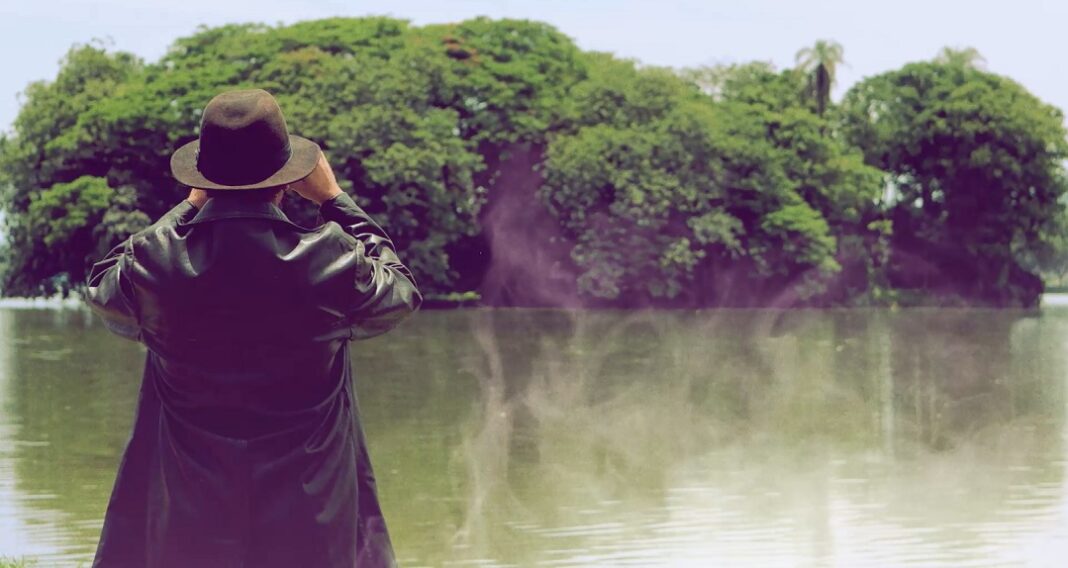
{"type": "Point", "coordinates": [384, 292]}
{"type": "Point", "coordinates": [108, 289]}
{"type": "Point", "coordinates": [109, 293]}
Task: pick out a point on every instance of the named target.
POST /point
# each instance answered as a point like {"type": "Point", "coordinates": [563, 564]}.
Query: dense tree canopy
{"type": "Point", "coordinates": [668, 194]}
{"type": "Point", "coordinates": [976, 168]}
{"type": "Point", "coordinates": [505, 161]}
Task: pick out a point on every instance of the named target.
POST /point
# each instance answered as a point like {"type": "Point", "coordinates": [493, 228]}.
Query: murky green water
{"type": "Point", "coordinates": [540, 438]}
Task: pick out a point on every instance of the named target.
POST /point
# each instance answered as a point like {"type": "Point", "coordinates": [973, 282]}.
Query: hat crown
{"type": "Point", "coordinates": [243, 138]}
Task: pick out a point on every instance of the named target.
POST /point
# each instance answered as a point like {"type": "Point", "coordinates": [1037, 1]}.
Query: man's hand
{"type": "Point", "coordinates": [320, 186]}
{"type": "Point", "coordinates": [198, 197]}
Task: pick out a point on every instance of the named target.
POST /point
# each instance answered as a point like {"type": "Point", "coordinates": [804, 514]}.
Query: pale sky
{"type": "Point", "coordinates": [1024, 39]}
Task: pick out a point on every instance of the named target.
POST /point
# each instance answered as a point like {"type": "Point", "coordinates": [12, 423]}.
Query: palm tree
{"type": "Point", "coordinates": [820, 63]}
{"type": "Point", "coordinates": [967, 57]}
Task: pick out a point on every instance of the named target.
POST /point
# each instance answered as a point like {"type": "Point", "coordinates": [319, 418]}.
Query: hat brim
{"type": "Point", "coordinates": [301, 163]}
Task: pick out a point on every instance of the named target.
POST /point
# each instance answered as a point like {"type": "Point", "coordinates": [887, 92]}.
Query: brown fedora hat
{"type": "Point", "coordinates": [244, 144]}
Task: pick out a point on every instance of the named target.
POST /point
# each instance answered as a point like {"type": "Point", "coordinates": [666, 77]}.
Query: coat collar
{"type": "Point", "coordinates": [226, 208]}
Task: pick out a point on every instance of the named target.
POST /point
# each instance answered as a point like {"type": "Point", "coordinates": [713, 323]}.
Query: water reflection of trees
{"type": "Point", "coordinates": [956, 373]}
{"type": "Point", "coordinates": [977, 409]}
{"type": "Point", "coordinates": [579, 413]}
{"type": "Point", "coordinates": [575, 412]}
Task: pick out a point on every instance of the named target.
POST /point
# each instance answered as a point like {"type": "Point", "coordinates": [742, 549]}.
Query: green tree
{"type": "Point", "coordinates": [820, 63]}
{"type": "Point", "coordinates": [53, 182]}
{"type": "Point", "coordinates": [830, 176]}
{"type": "Point", "coordinates": [69, 226]}
{"type": "Point", "coordinates": [977, 174]}
{"type": "Point", "coordinates": [675, 198]}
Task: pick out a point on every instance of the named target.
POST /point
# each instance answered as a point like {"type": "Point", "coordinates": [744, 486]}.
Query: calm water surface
{"type": "Point", "coordinates": [543, 438]}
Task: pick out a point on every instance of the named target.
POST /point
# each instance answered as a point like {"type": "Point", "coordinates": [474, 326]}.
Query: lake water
{"type": "Point", "coordinates": [545, 438]}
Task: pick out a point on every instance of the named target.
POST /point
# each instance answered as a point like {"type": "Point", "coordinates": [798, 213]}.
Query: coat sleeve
{"type": "Point", "coordinates": [108, 288]}
{"type": "Point", "coordinates": [384, 292]}
{"type": "Point", "coordinates": [110, 296]}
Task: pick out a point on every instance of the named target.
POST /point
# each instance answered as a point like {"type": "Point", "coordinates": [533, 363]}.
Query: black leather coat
{"type": "Point", "coordinates": [247, 448]}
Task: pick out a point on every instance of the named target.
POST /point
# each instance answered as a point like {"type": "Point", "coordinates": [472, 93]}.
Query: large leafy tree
{"type": "Point", "coordinates": [977, 176]}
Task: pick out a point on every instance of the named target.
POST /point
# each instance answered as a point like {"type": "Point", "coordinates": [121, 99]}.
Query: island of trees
{"type": "Point", "coordinates": [510, 166]}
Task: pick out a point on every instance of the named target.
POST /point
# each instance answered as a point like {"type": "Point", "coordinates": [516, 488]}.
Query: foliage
{"type": "Point", "coordinates": [727, 185]}
{"type": "Point", "coordinates": [977, 175]}
{"type": "Point", "coordinates": [665, 191]}
{"type": "Point", "coordinates": [51, 162]}
{"type": "Point", "coordinates": [69, 226]}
